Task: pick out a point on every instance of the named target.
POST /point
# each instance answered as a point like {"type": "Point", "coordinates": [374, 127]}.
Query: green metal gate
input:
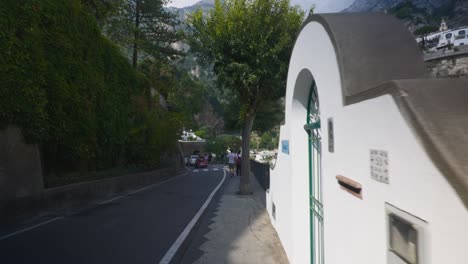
{"type": "Point", "coordinates": [315, 186]}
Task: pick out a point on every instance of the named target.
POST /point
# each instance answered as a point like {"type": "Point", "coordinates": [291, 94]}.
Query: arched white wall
{"type": "Point", "coordinates": [355, 230]}
{"type": "Point", "coordinates": [313, 57]}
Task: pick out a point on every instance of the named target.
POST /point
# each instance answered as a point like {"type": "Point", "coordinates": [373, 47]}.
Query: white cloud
{"type": "Point", "coordinates": [182, 3]}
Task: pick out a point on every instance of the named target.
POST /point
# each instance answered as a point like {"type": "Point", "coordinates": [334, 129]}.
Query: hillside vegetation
{"type": "Point", "coordinates": [73, 92]}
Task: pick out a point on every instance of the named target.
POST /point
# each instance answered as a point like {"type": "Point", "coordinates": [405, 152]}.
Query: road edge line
{"type": "Point", "coordinates": [142, 189]}
{"type": "Point", "coordinates": [166, 259]}
{"type": "Point", "coordinates": [30, 228]}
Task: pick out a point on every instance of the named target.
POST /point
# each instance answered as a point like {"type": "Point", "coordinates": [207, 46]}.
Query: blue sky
{"type": "Point", "coordinates": [322, 6]}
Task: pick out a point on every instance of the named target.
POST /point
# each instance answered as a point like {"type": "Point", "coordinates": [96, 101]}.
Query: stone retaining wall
{"type": "Point", "coordinates": [451, 64]}
{"type": "Point", "coordinates": [450, 67]}
{"type": "Point", "coordinates": [79, 194]}
{"type": "Point", "coordinates": [22, 193]}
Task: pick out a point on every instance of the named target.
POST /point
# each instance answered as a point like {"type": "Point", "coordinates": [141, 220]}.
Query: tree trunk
{"type": "Point", "coordinates": [136, 35]}
{"type": "Point", "coordinates": [244, 187]}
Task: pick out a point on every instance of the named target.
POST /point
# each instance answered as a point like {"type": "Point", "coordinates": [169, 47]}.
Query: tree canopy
{"type": "Point", "coordinates": [249, 43]}
{"type": "Point", "coordinates": [144, 28]}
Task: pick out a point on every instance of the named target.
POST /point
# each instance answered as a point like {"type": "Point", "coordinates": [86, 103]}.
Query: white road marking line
{"type": "Point", "coordinates": [111, 200]}
{"type": "Point", "coordinates": [215, 169]}
{"type": "Point", "coordinates": [195, 170]}
{"type": "Point", "coordinates": [108, 201]}
{"type": "Point", "coordinates": [157, 184]}
{"type": "Point", "coordinates": [205, 169]}
{"type": "Point", "coordinates": [140, 190]}
{"type": "Point", "coordinates": [173, 250]}
{"type": "Point", "coordinates": [30, 228]}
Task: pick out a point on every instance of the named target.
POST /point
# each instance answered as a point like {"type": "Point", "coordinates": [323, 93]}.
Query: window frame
{"type": "Point", "coordinates": [417, 223]}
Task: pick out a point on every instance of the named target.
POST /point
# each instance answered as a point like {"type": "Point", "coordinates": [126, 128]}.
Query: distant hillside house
{"type": "Point", "coordinates": [189, 136]}
{"type": "Point", "coordinates": [445, 38]}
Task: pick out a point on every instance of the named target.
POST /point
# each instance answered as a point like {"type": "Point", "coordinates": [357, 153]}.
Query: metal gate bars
{"type": "Point", "coordinates": [315, 188]}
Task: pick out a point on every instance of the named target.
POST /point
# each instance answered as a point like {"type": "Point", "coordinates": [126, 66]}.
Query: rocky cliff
{"type": "Point", "coordinates": [417, 13]}
{"type": "Point", "coordinates": [380, 5]}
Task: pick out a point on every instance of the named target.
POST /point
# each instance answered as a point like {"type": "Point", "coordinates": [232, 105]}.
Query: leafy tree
{"type": "Point", "coordinates": [102, 9]}
{"type": "Point", "coordinates": [185, 97]}
{"type": "Point", "coordinates": [425, 30]}
{"type": "Point", "coordinates": [253, 144]}
{"type": "Point", "coordinates": [182, 91]}
{"type": "Point", "coordinates": [266, 141]}
{"type": "Point", "coordinates": [144, 25]}
{"type": "Point", "coordinates": [204, 133]}
{"type": "Point", "coordinates": [269, 115]}
{"type": "Point", "coordinates": [221, 143]}
{"type": "Point", "coordinates": [249, 43]}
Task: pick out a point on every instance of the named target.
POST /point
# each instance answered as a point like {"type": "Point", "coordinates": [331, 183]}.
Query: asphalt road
{"type": "Point", "coordinates": [136, 228]}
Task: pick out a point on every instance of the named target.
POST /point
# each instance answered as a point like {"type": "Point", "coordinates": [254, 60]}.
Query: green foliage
{"type": "Point", "coordinates": [446, 10]}
{"type": "Point", "coordinates": [404, 10]}
{"type": "Point", "coordinates": [203, 133]}
{"type": "Point", "coordinates": [144, 28]}
{"type": "Point", "coordinates": [102, 9]}
{"type": "Point", "coordinates": [254, 144]}
{"type": "Point", "coordinates": [220, 144]}
{"type": "Point", "coordinates": [269, 115]}
{"type": "Point", "coordinates": [266, 141]}
{"type": "Point", "coordinates": [184, 93]}
{"type": "Point", "coordinates": [186, 97]}
{"type": "Point", "coordinates": [72, 92]}
{"type": "Point", "coordinates": [249, 44]}
{"type": "Point", "coordinates": [425, 30]}
{"type": "Point", "coordinates": [431, 17]}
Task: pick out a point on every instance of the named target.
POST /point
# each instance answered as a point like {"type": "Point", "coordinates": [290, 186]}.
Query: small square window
{"type": "Point", "coordinates": [403, 239]}
{"type": "Point", "coordinates": [406, 235]}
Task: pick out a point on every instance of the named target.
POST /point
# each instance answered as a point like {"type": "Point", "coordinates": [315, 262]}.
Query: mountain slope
{"type": "Point", "coordinates": [204, 5]}
{"type": "Point", "coordinates": [380, 5]}
{"type": "Point", "coordinates": [417, 13]}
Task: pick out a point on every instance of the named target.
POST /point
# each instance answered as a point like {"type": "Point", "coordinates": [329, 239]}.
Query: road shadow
{"type": "Point", "coordinates": [236, 229]}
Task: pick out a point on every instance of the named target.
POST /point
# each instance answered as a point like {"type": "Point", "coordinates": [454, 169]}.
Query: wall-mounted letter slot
{"type": "Point", "coordinates": [353, 187]}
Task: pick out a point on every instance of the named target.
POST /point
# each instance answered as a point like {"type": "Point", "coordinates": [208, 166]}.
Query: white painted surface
{"type": "Point", "coordinates": [167, 258]}
{"type": "Point", "coordinates": [356, 230]}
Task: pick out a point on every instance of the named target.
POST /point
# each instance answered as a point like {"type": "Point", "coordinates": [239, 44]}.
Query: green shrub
{"type": "Point", "coordinates": [71, 90]}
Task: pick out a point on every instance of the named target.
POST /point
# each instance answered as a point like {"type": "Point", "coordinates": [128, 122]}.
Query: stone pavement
{"type": "Point", "coordinates": [238, 230]}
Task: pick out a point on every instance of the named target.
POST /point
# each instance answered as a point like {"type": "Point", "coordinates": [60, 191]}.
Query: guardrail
{"type": "Point", "coordinates": [457, 51]}
{"type": "Point", "coordinates": [261, 172]}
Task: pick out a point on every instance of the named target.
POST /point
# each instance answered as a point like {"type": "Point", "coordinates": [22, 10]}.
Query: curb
{"type": "Point", "coordinates": [179, 253]}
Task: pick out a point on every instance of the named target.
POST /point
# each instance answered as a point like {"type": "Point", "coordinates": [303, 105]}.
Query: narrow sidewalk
{"type": "Point", "coordinates": [238, 231]}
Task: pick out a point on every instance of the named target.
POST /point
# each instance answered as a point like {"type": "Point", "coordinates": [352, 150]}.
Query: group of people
{"type": "Point", "coordinates": [235, 160]}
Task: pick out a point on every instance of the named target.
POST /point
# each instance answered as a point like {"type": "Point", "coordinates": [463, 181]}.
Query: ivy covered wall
{"type": "Point", "coordinates": [73, 93]}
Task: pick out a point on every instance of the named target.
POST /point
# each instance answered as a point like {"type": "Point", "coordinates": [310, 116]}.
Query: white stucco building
{"type": "Point", "coordinates": [445, 37]}
{"type": "Point", "coordinates": [372, 165]}
{"type": "Point", "coordinates": [189, 136]}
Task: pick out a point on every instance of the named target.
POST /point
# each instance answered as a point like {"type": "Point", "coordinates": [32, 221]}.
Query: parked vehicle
{"type": "Point", "coordinates": [193, 160]}
{"type": "Point", "coordinates": [201, 163]}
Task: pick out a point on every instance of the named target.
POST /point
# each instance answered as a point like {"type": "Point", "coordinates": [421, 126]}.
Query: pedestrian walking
{"type": "Point", "coordinates": [231, 161]}
{"type": "Point", "coordinates": [238, 163]}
